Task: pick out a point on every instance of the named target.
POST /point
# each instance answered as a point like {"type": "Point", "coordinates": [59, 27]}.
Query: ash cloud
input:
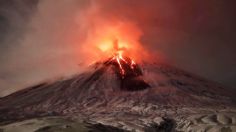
{"type": "Point", "coordinates": [44, 39]}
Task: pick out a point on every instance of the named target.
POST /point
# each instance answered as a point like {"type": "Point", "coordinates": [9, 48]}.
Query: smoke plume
{"type": "Point", "coordinates": [48, 39]}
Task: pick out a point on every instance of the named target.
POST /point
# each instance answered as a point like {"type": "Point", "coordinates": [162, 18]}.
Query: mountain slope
{"type": "Point", "coordinates": [104, 95]}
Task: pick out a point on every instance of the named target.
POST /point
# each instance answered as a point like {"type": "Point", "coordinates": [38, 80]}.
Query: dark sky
{"type": "Point", "coordinates": [198, 36]}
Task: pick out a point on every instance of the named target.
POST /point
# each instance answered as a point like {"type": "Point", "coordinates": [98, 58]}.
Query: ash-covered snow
{"type": "Point", "coordinates": [136, 101]}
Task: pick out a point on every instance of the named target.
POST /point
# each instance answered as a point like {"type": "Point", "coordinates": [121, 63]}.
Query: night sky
{"type": "Point", "coordinates": [36, 44]}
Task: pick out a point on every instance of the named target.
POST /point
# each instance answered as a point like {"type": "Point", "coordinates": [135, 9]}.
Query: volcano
{"type": "Point", "coordinates": [118, 94]}
{"type": "Point", "coordinates": [128, 96]}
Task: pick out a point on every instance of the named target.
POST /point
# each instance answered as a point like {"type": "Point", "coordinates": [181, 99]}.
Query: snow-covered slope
{"type": "Point", "coordinates": [144, 95]}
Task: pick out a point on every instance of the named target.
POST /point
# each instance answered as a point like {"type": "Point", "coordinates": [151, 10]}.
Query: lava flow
{"type": "Point", "coordinates": [125, 64]}
{"type": "Point", "coordinates": [128, 71]}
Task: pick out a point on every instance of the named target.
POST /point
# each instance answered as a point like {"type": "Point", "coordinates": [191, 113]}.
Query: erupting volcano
{"type": "Point", "coordinates": [129, 72]}
{"type": "Point", "coordinates": [119, 94]}
{"type": "Point", "coordinates": [122, 61]}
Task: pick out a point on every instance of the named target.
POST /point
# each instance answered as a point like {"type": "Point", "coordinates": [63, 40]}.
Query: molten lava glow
{"type": "Point", "coordinates": [119, 41]}
{"type": "Point", "coordinates": [114, 39]}
{"type": "Point", "coordinates": [132, 64]}
{"type": "Point", "coordinates": [118, 57]}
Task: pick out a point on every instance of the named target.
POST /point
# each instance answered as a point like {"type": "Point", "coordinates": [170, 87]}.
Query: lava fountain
{"type": "Point", "coordinates": [117, 45]}
{"type": "Point", "coordinates": [118, 57]}
{"type": "Point", "coordinates": [127, 69]}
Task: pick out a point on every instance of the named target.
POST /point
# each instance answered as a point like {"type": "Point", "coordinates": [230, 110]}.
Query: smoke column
{"type": "Point", "coordinates": [50, 39]}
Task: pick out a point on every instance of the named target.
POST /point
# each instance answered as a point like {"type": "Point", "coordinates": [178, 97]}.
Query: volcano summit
{"type": "Point", "coordinates": [120, 95]}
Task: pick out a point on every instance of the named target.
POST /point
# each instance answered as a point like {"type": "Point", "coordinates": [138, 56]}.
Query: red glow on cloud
{"type": "Point", "coordinates": [115, 39]}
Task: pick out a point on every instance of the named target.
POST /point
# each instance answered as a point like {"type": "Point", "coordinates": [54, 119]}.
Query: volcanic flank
{"type": "Point", "coordinates": [128, 73]}
{"type": "Point", "coordinates": [121, 93]}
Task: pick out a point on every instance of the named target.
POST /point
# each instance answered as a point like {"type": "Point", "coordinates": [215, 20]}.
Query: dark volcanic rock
{"type": "Point", "coordinates": [130, 101]}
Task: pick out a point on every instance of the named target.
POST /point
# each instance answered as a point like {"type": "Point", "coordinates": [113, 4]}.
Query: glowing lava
{"type": "Point", "coordinates": [123, 62]}
{"type": "Point", "coordinates": [127, 70]}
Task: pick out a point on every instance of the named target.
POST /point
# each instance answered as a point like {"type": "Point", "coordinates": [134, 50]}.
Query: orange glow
{"type": "Point", "coordinates": [102, 41]}
{"type": "Point", "coordinates": [132, 64]}
{"type": "Point", "coordinates": [119, 41]}
{"type": "Point", "coordinates": [118, 57]}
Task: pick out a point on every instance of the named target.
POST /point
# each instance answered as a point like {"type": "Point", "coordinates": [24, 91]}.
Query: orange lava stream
{"type": "Point", "coordinates": [132, 64]}
{"type": "Point", "coordinates": [118, 57]}
{"type": "Point", "coordinates": [121, 68]}
{"type": "Point", "coordinates": [118, 49]}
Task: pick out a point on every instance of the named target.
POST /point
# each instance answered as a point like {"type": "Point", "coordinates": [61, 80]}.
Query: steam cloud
{"type": "Point", "coordinates": [47, 39]}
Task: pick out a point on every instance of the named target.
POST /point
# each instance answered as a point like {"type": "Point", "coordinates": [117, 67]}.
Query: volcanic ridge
{"type": "Point", "coordinates": [121, 93]}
